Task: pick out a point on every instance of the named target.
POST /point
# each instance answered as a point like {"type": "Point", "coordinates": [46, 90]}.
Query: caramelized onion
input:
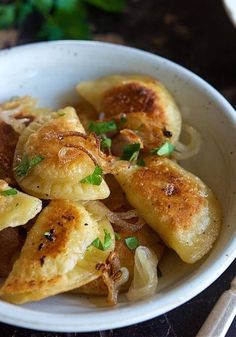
{"type": "Point", "coordinates": [112, 291]}
{"type": "Point", "coordinates": [62, 135]}
{"type": "Point", "coordinates": [90, 144]}
{"type": "Point", "coordinates": [123, 278]}
{"type": "Point", "coordinates": [116, 218]}
{"type": "Point", "coordinates": [83, 149]}
{"type": "Point", "coordinates": [113, 284]}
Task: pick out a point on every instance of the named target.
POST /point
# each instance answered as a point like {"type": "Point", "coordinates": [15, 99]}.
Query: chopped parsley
{"type": "Point", "coordinates": [95, 178]}
{"type": "Point", "coordinates": [27, 164]}
{"type": "Point", "coordinates": [132, 242]}
{"type": "Point", "coordinates": [10, 191]}
{"type": "Point", "coordinates": [131, 152]}
{"type": "Point", "coordinates": [123, 120]}
{"type": "Point", "coordinates": [102, 127]}
{"type": "Point", "coordinates": [141, 162]}
{"type": "Point", "coordinates": [166, 149]}
{"type": "Point", "coordinates": [61, 113]}
{"type": "Point", "coordinates": [106, 142]}
{"type": "Point", "coordinates": [117, 236]}
{"type": "Point", "coordinates": [106, 244]}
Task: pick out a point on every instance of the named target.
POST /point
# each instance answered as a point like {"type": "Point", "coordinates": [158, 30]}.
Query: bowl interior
{"type": "Point", "coordinates": [49, 72]}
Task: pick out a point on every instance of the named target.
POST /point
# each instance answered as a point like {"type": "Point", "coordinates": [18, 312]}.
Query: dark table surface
{"type": "Point", "coordinates": [198, 35]}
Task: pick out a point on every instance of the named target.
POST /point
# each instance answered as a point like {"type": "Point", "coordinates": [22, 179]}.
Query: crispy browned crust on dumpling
{"type": "Point", "coordinates": [126, 95]}
{"type": "Point", "coordinates": [150, 133]}
{"type": "Point", "coordinates": [60, 220]}
{"type": "Point", "coordinates": [60, 140]}
{"type": "Point", "coordinates": [55, 257]}
{"type": "Point", "coordinates": [175, 203]}
{"type": "Point", "coordinates": [130, 97]}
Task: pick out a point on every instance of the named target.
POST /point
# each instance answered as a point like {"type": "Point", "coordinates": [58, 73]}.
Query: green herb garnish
{"type": "Point", "coordinates": [61, 113]}
{"type": "Point", "coordinates": [131, 152]}
{"type": "Point", "coordinates": [10, 191]}
{"type": "Point", "coordinates": [117, 236]}
{"type": "Point", "coordinates": [122, 121]}
{"type": "Point", "coordinates": [166, 149]}
{"type": "Point", "coordinates": [132, 242]}
{"type": "Point", "coordinates": [102, 127]}
{"type": "Point", "coordinates": [97, 243]}
{"type": "Point", "coordinates": [27, 164]}
{"type": "Point", "coordinates": [53, 16]}
{"type": "Point", "coordinates": [106, 142]}
{"type": "Point", "coordinates": [141, 162]}
{"type": "Point", "coordinates": [95, 178]}
{"type": "Point", "coordinates": [107, 240]}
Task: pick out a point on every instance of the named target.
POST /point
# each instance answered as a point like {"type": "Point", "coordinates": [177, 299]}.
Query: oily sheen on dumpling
{"type": "Point", "coordinates": [175, 203]}
{"type": "Point", "coordinates": [58, 139]}
{"type": "Point", "coordinates": [16, 209]}
{"type": "Point", "coordinates": [57, 255]}
{"type": "Point", "coordinates": [148, 107]}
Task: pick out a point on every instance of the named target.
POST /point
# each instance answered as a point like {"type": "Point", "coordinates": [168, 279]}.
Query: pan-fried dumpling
{"type": "Point", "coordinates": [175, 203]}
{"type": "Point", "coordinates": [53, 155]}
{"type": "Point", "coordinates": [16, 208]}
{"type": "Point", "coordinates": [147, 105]}
{"type": "Point", "coordinates": [20, 112]}
{"type": "Point", "coordinates": [57, 255]}
{"type": "Point", "coordinates": [15, 115]}
{"type": "Point", "coordinates": [146, 237]}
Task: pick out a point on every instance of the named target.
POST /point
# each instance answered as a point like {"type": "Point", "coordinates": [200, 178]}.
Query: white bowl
{"type": "Point", "coordinates": [49, 72]}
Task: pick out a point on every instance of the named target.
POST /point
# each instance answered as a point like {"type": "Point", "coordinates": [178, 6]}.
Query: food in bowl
{"type": "Point", "coordinates": [113, 193]}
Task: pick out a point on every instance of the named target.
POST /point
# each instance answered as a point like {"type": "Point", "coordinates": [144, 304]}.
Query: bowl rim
{"type": "Point", "coordinates": [103, 320]}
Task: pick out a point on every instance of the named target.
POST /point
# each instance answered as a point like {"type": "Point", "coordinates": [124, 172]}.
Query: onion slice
{"type": "Point", "coordinates": [113, 284]}
{"type": "Point", "coordinates": [185, 151]}
{"type": "Point", "coordinates": [116, 218]}
{"type": "Point", "coordinates": [145, 279]}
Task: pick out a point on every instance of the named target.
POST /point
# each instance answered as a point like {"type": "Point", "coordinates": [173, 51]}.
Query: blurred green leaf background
{"type": "Point", "coordinates": [57, 19]}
